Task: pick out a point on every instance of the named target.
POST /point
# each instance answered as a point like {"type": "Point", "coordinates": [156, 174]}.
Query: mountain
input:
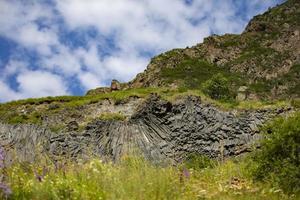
{"type": "Point", "coordinates": [211, 99]}
{"type": "Point", "coordinates": [265, 58]}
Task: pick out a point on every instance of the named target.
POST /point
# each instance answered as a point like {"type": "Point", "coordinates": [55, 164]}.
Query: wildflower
{"type": "Point", "coordinates": [2, 157]}
{"type": "Point", "coordinates": [40, 177]}
{"type": "Point", "coordinates": [5, 189]}
{"type": "Point", "coordinates": [185, 174]}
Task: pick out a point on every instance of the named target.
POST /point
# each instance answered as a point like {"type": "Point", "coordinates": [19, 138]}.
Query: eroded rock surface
{"type": "Point", "coordinates": [159, 129]}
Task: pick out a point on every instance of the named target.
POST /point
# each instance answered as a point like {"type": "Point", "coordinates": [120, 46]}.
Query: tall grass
{"type": "Point", "coordinates": [134, 178]}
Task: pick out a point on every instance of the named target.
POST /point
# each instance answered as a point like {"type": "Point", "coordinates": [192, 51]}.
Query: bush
{"type": "Point", "coordinates": [198, 162]}
{"type": "Point", "coordinates": [278, 161]}
{"type": "Point", "coordinates": [217, 87]}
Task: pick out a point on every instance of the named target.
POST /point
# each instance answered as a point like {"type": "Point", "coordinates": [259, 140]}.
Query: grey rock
{"type": "Point", "coordinates": [72, 126]}
{"type": "Point", "coordinates": [159, 130]}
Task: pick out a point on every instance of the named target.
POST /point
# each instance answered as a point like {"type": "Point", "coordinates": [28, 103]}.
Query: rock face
{"type": "Point", "coordinates": [242, 93]}
{"type": "Point", "coordinates": [115, 85]}
{"type": "Point", "coordinates": [159, 129]}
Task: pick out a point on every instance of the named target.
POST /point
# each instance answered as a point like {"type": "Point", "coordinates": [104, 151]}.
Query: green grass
{"type": "Point", "coordinates": [33, 111]}
{"type": "Point", "coordinates": [12, 112]}
{"type": "Point", "coordinates": [290, 79]}
{"type": "Point", "coordinates": [133, 178]}
{"type": "Point", "coordinates": [261, 57]}
{"type": "Point", "coordinates": [194, 72]}
{"type": "Point", "coordinates": [230, 40]}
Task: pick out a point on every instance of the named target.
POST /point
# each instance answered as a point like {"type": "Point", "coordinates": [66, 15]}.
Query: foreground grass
{"type": "Point", "coordinates": [135, 178]}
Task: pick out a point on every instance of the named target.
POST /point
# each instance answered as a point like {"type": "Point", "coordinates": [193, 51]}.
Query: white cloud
{"type": "Point", "coordinates": [18, 22]}
{"type": "Point", "coordinates": [133, 27]}
{"type": "Point", "coordinates": [89, 80]}
{"type": "Point", "coordinates": [34, 84]}
{"type": "Point", "coordinates": [126, 66]}
{"type": "Point", "coordinates": [14, 67]}
{"type": "Point", "coordinates": [40, 83]}
{"type": "Point", "coordinates": [63, 61]}
{"type": "Point", "coordinates": [6, 93]}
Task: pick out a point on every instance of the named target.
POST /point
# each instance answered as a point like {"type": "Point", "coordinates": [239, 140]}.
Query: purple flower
{"type": "Point", "coordinates": [5, 189]}
{"type": "Point", "coordinates": [2, 157]}
{"type": "Point", "coordinates": [186, 173]}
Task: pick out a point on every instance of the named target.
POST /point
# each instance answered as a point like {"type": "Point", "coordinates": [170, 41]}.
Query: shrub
{"type": "Point", "coordinates": [278, 161]}
{"type": "Point", "coordinates": [217, 87]}
{"type": "Point", "coordinates": [198, 161]}
{"type": "Point", "coordinates": [295, 103]}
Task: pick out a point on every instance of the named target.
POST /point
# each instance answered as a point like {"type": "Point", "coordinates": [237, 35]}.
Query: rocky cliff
{"type": "Point", "coordinates": [263, 63]}
{"type": "Point", "coordinates": [159, 129]}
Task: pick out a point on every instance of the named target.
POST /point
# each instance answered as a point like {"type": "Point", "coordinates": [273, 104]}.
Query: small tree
{"type": "Point", "coordinates": [217, 87]}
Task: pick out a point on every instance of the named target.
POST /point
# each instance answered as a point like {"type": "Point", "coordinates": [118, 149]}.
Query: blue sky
{"type": "Point", "coordinates": [65, 47]}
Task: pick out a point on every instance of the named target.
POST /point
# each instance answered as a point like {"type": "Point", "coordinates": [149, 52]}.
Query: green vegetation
{"type": "Point", "coordinates": [198, 162]}
{"type": "Point", "coordinates": [259, 56]}
{"type": "Point", "coordinates": [134, 178]}
{"type": "Point", "coordinates": [57, 127]}
{"type": "Point", "coordinates": [193, 72]}
{"type": "Point", "coordinates": [293, 78]}
{"type": "Point", "coordinates": [295, 103]}
{"type": "Point", "coordinates": [32, 118]}
{"type": "Point", "coordinates": [230, 40]}
{"type": "Point", "coordinates": [290, 79]}
{"type": "Point", "coordinates": [217, 87]}
{"type": "Point", "coordinates": [278, 161]}
{"type": "Point", "coordinates": [278, 15]}
{"type": "Point", "coordinates": [33, 111]}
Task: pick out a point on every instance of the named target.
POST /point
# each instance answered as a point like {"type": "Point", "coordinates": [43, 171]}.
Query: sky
{"type": "Point", "coordinates": [66, 47]}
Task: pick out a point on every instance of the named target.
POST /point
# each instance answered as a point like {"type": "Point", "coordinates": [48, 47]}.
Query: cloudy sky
{"type": "Point", "coordinates": [65, 47]}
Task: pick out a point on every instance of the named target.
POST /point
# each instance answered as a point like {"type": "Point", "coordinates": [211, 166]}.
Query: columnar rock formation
{"type": "Point", "coordinates": [160, 130]}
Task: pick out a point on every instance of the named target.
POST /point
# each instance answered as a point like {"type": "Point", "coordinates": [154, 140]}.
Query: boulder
{"type": "Point", "coordinates": [72, 126]}
{"type": "Point", "coordinates": [242, 93]}
{"type": "Point", "coordinates": [115, 85]}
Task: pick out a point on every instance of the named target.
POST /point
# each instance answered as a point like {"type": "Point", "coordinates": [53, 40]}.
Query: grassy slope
{"type": "Point", "coordinates": [37, 109]}
{"type": "Point", "coordinates": [191, 73]}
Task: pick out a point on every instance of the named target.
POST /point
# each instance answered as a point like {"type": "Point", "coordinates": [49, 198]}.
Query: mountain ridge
{"type": "Point", "coordinates": [265, 58]}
